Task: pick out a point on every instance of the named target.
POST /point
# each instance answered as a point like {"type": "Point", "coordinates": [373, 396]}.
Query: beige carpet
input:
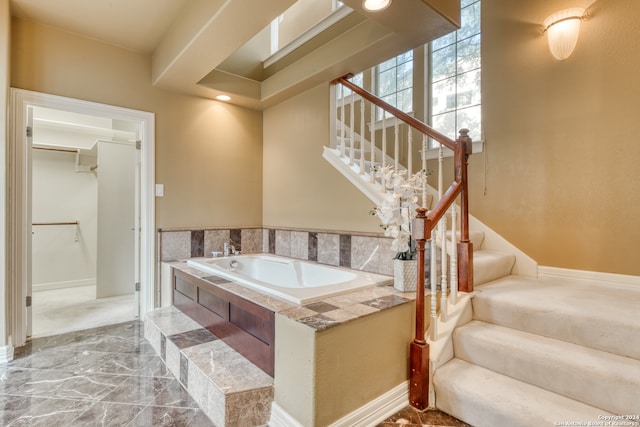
{"type": "Point", "coordinates": [73, 309]}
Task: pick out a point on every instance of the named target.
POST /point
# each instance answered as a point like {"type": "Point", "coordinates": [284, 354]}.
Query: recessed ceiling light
{"type": "Point", "coordinates": [375, 5]}
{"type": "Point", "coordinates": [223, 98]}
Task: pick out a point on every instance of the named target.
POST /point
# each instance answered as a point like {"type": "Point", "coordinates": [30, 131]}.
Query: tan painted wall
{"type": "Point", "coordinates": [301, 189]}
{"type": "Point", "coordinates": [561, 161]}
{"type": "Point", "coordinates": [322, 376]}
{"type": "Point", "coordinates": [208, 153]}
{"type": "Point", "coordinates": [361, 360]}
{"type": "Point", "coordinates": [556, 186]}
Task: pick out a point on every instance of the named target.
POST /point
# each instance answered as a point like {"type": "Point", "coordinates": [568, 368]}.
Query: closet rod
{"type": "Point", "coordinates": [63, 150]}
{"type": "Point", "coordinates": [56, 223]}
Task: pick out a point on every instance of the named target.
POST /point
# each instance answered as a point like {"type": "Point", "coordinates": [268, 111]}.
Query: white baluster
{"type": "Point", "coordinates": [396, 151]}
{"type": "Point", "coordinates": [384, 149]}
{"type": "Point", "coordinates": [372, 131]}
{"type": "Point", "coordinates": [442, 230]}
{"type": "Point", "coordinates": [424, 169]}
{"type": "Point", "coordinates": [454, 254]}
{"type": "Point", "coordinates": [352, 125]}
{"type": "Point", "coordinates": [410, 151]}
{"type": "Point", "coordinates": [362, 136]}
{"type": "Point", "coordinates": [440, 172]}
{"type": "Point", "coordinates": [433, 281]}
{"type": "Point", "coordinates": [343, 133]}
{"type": "Point", "coordinates": [443, 266]}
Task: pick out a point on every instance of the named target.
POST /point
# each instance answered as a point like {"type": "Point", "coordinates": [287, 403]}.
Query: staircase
{"type": "Point", "coordinates": [522, 349]}
{"type": "Point", "coordinates": [545, 351]}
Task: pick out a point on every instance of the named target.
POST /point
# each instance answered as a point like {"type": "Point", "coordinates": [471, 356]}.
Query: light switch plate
{"type": "Point", "coordinates": [159, 190]}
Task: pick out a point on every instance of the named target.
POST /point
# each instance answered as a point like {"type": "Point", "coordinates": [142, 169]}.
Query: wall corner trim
{"type": "Point", "coordinates": [6, 354]}
{"type": "Point", "coordinates": [281, 418]}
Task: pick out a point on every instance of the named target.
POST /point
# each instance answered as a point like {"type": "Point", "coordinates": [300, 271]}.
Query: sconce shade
{"type": "Point", "coordinates": [562, 30]}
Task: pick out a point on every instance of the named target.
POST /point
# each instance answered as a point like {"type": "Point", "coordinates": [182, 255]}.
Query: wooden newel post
{"type": "Point", "coordinates": [465, 247]}
{"type": "Point", "coordinates": [419, 348]}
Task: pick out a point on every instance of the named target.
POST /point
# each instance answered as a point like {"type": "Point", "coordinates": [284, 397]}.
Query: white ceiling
{"type": "Point", "coordinates": [133, 24]}
{"type": "Point", "coordinates": [211, 47]}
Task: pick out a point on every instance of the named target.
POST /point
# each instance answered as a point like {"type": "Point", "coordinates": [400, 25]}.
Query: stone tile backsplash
{"type": "Point", "coordinates": [368, 253]}
{"type": "Point", "coordinates": [329, 248]}
{"type": "Point", "coordinates": [214, 240]}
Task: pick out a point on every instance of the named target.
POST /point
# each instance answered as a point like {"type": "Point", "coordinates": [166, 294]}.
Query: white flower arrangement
{"type": "Point", "coordinates": [399, 208]}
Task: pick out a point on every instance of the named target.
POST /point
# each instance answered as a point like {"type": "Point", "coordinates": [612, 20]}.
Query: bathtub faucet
{"type": "Point", "coordinates": [228, 249]}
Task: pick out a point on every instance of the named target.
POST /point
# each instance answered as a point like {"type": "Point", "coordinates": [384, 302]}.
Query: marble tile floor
{"type": "Point", "coordinates": [71, 309]}
{"type": "Point", "coordinates": [110, 376]}
{"type": "Point", "coordinates": [411, 417]}
{"type": "Point", "coordinates": [106, 376]}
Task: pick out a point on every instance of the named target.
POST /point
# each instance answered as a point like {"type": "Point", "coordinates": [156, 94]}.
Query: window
{"type": "Point", "coordinates": [394, 82]}
{"type": "Point", "coordinates": [296, 25]}
{"type": "Point", "coordinates": [455, 76]}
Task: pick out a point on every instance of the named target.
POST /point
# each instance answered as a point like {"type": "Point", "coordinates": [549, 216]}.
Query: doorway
{"type": "Point", "coordinates": [21, 212]}
{"type": "Point", "coordinates": [85, 228]}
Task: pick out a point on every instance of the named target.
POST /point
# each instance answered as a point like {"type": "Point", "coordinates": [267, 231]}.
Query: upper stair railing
{"type": "Point", "coordinates": [429, 228]}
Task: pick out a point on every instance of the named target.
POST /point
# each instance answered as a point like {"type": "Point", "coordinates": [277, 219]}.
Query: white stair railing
{"type": "Point", "coordinates": [352, 137]}
{"type": "Point", "coordinates": [429, 226]}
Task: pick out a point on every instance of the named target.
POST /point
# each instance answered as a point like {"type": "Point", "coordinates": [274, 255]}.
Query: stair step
{"type": "Point", "coordinates": [482, 398]}
{"type": "Point", "coordinates": [216, 376]}
{"type": "Point", "coordinates": [491, 265]}
{"type": "Point", "coordinates": [594, 377]}
{"type": "Point", "coordinates": [476, 237]}
{"type": "Point", "coordinates": [356, 153]}
{"type": "Point", "coordinates": [583, 312]}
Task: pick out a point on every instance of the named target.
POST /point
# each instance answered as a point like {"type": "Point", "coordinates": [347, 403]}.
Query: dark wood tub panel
{"type": "Point", "coordinates": [241, 324]}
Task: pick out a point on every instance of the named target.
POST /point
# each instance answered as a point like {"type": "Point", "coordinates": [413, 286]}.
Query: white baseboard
{"type": "Point", "coordinates": [368, 415]}
{"type": "Point", "coordinates": [378, 409]}
{"type": "Point", "coordinates": [61, 285]}
{"type": "Point", "coordinates": [6, 354]}
{"type": "Point", "coordinates": [281, 418]}
{"type": "Point", "coordinates": [609, 278]}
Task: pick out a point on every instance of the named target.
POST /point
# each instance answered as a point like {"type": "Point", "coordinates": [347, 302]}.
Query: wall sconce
{"type": "Point", "coordinates": [376, 5]}
{"type": "Point", "coordinates": [562, 30]}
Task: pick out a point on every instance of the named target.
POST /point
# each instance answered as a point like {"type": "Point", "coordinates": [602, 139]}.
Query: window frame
{"type": "Point", "coordinates": [433, 146]}
{"type": "Point", "coordinates": [410, 89]}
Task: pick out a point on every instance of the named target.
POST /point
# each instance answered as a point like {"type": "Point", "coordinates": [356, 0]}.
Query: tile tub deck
{"type": "Point", "coordinates": [222, 381]}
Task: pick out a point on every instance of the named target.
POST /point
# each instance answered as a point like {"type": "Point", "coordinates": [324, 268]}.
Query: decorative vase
{"type": "Point", "coordinates": [405, 274]}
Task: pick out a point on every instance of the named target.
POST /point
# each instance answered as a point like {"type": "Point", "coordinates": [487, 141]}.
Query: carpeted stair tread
{"type": "Point", "coordinates": [583, 312]}
{"type": "Point", "coordinates": [491, 265]}
{"type": "Point", "coordinates": [484, 398]}
{"type": "Point", "coordinates": [601, 379]}
{"type": "Point", "coordinates": [476, 237]}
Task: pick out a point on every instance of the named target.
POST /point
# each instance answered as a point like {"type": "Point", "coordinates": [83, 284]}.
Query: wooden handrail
{"type": "Point", "coordinates": [411, 121]}
{"type": "Point", "coordinates": [423, 225]}
{"type": "Point", "coordinates": [448, 198]}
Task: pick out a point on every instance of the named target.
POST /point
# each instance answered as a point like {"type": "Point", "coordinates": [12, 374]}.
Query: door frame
{"type": "Point", "coordinates": [19, 198]}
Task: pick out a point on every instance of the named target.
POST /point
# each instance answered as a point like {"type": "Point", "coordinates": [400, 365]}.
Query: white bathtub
{"type": "Point", "coordinates": [297, 281]}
